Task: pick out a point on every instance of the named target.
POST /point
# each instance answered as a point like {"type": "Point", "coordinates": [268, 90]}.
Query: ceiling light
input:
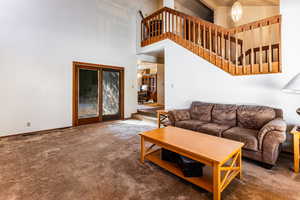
{"type": "Point", "coordinates": [236, 11]}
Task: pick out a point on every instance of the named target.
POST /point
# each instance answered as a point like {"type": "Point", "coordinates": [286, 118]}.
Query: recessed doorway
{"type": "Point", "coordinates": [98, 93]}
{"type": "Point", "coordinates": [151, 89]}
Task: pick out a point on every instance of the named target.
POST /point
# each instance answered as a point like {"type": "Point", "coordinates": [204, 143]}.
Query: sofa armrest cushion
{"type": "Point", "coordinates": [277, 124]}
{"type": "Point", "coordinates": [180, 115]}
{"type": "Point", "coordinates": [271, 146]}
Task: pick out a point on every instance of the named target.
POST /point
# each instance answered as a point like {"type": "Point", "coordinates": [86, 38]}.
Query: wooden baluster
{"type": "Point", "coordinates": [270, 48]}
{"type": "Point", "coordinates": [229, 49]}
{"type": "Point", "coordinates": [204, 37]}
{"type": "Point", "coordinates": [201, 34]}
{"type": "Point", "coordinates": [153, 28]}
{"type": "Point", "coordinates": [225, 45]}
{"type": "Point", "coordinates": [260, 48]}
{"type": "Point", "coordinates": [194, 35]}
{"type": "Point", "coordinates": [150, 30]}
{"type": "Point", "coordinates": [273, 56]}
{"type": "Point", "coordinates": [159, 24]}
{"type": "Point", "coordinates": [180, 29]}
{"type": "Point", "coordinates": [210, 43]}
{"type": "Point", "coordinates": [190, 33]}
{"type": "Point", "coordinates": [216, 42]}
{"type": "Point", "coordinates": [184, 28]}
{"type": "Point", "coordinates": [199, 39]}
{"type": "Point", "coordinates": [219, 42]}
{"type": "Point", "coordinates": [252, 50]}
{"type": "Point", "coordinates": [243, 52]}
{"type": "Point", "coordinates": [173, 25]}
{"type": "Point", "coordinates": [279, 48]}
{"type": "Point", "coordinates": [156, 27]}
{"type": "Point", "coordinates": [236, 51]}
{"type": "Point", "coordinates": [198, 34]}
{"type": "Point", "coordinates": [169, 24]}
{"type": "Point", "coordinates": [165, 23]}
{"type": "Point", "coordinates": [162, 23]}
{"type": "Point", "coordinates": [222, 48]}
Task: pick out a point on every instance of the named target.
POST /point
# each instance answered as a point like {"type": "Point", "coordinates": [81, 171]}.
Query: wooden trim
{"type": "Point", "coordinates": [47, 131]}
{"type": "Point", "coordinates": [98, 65]}
{"type": "Point", "coordinates": [99, 68]}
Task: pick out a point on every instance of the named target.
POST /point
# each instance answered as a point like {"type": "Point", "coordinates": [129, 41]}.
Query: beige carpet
{"type": "Point", "coordinates": [100, 162]}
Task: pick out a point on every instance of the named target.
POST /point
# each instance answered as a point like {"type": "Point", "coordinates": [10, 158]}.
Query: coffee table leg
{"type": "Point", "coordinates": [142, 149]}
{"type": "Point", "coordinates": [158, 120]}
{"type": "Point", "coordinates": [216, 181]}
{"type": "Point", "coordinates": [296, 153]}
{"type": "Point", "coordinates": [240, 176]}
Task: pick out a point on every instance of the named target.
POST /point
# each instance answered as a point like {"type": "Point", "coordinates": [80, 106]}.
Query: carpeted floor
{"type": "Point", "coordinates": [100, 162]}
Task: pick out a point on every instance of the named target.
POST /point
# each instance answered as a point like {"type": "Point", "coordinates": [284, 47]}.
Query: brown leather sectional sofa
{"type": "Point", "coordinates": [261, 128]}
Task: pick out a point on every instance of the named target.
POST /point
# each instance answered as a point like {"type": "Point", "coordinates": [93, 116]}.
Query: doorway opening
{"type": "Point", "coordinates": [151, 88]}
{"type": "Point", "coordinates": [98, 93]}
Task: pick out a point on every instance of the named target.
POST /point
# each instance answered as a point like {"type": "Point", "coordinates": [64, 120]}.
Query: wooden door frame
{"type": "Point", "coordinates": [91, 66]}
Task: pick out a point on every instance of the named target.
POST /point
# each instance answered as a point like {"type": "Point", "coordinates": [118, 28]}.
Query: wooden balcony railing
{"type": "Point", "coordinates": [253, 48]}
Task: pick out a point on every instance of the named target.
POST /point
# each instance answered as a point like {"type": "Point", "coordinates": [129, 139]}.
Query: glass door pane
{"type": "Point", "coordinates": [88, 94]}
{"type": "Point", "coordinates": [111, 93]}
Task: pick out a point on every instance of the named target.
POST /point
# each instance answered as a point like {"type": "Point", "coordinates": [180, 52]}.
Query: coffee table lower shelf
{"type": "Point", "coordinates": [205, 182]}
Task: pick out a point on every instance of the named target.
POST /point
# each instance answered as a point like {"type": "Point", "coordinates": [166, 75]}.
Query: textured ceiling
{"type": "Point", "coordinates": [244, 2]}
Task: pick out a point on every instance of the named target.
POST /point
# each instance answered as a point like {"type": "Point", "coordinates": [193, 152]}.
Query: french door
{"type": "Point", "coordinates": [97, 93]}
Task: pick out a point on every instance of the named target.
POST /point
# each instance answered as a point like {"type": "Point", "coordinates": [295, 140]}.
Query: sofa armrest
{"type": "Point", "coordinates": [178, 115]}
{"type": "Point", "coordinates": [271, 143]}
{"type": "Point", "coordinates": [277, 125]}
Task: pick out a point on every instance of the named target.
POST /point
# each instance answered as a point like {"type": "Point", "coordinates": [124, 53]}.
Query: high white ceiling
{"type": "Point", "coordinates": [244, 2]}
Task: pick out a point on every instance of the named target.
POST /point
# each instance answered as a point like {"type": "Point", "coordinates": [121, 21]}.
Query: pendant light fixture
{"type": "Point", "coordinates": [236, 11]}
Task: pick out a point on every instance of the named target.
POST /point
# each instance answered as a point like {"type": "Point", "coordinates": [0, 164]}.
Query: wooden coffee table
{"type": "Point", "coordinates": [222, 157]}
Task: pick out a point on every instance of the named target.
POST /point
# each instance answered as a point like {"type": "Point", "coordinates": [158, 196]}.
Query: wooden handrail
{"type": "Point", "coordinates": [213, 42]}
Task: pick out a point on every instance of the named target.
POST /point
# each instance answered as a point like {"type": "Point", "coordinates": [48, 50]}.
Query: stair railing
{"type": "Point", "coordinates": [252, 48]}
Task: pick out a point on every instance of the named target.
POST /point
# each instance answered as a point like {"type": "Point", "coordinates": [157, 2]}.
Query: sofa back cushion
{"type": "Point", "coordinates": [201, 111]}
{"type": "Point", "coordinates": [181, 115]}
{"type": "Point", "coordinates": [224, 114]}
{"type": "Point", "coordinates": [254, 117]}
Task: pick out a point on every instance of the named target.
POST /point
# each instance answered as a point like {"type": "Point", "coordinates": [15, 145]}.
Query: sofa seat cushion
{"type": "Point", "coordinates": [189, 124]}
{"type": "Point", "coordinates": [247, 136]}
{"type": "Point", "coordinates": [201, 111]}
{"type": "Point", "coordinates": [213, 129]}
{"type": "Point", "coordinates": [224, 114]}
{"type": "Point", "coordinates": [254, 117]}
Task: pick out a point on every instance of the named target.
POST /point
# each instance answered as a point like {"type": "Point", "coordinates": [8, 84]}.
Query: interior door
{"type": "Point", "coordinates": [111, 95]}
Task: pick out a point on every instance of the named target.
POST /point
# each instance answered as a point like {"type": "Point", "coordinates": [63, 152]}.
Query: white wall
{"type": "Point", "coordinates": [161, 84]}
{"type": "Point", "coordinates": [190, 78]}
{"type": "Point", "coordinates": [38, 42]}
